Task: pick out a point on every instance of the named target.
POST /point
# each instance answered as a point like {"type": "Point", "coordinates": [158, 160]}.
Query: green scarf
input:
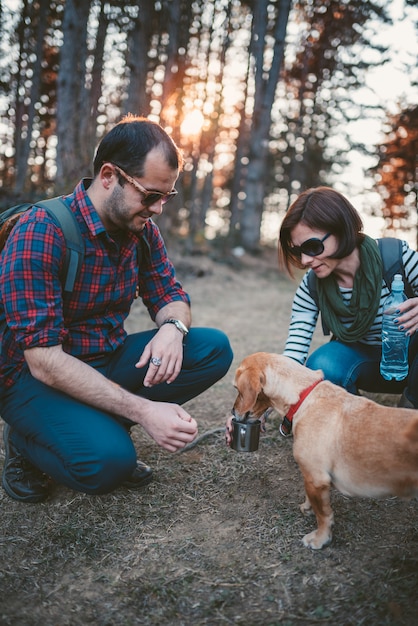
{"type": "Point", "coordinates": [367, 289]}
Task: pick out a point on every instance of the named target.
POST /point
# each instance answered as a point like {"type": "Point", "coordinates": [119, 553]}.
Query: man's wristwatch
{"type": "Point", "coordinates": [179, 325]}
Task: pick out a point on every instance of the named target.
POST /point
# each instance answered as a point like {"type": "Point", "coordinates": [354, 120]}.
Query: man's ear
{"type": "Point", "coordinates": [107, 175]}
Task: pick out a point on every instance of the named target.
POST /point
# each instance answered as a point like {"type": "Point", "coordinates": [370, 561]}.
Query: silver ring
{"type": "Point", "coordinates": [155, 360]}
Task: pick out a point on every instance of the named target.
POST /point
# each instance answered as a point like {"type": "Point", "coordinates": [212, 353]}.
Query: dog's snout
{"type": "Point", "coordinates": [240, 417]}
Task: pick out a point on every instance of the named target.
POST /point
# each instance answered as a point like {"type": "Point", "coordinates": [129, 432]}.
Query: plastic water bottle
{"type": "Point", "coordinates": [394, 361]}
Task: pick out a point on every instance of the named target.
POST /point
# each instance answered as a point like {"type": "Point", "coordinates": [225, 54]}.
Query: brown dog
{"type": "Point", "coordinates": [360, 447]}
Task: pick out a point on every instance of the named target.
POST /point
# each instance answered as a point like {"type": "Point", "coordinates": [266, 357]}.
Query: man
{"type": "Point", "coordinates": [73, 382]}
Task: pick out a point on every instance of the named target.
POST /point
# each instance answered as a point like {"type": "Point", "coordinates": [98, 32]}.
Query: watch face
{"type": "Point", "coordinates": [179, 325]}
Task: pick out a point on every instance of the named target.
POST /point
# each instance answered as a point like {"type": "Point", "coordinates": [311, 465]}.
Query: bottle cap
{"type": "Point", "coordinates": [397, 282]}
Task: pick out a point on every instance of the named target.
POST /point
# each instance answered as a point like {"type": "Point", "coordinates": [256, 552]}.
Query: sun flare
{"type": "Point", "coordinates": [192, 124]}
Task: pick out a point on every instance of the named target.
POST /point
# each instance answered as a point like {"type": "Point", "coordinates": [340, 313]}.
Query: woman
{"type": "Point", "coordinates": [322, 231]}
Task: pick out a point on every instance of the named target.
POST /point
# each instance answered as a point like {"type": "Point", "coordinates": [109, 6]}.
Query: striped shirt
{"type": "Point", "coordinates": [89, 322]}
{"type": "Point", "coordinates": [305, 311]}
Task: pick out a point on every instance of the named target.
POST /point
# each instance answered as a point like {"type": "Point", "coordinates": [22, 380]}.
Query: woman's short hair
{"type": "Point", "coordinates": [321, 208]}
{"type": "Point", "coordinates": [129, 142]}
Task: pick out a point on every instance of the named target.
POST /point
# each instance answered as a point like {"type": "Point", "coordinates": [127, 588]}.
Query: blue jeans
{"type": "Point", "coordinates": [88, 449]}
{"type": "Point", "coordinates": [356, 366]}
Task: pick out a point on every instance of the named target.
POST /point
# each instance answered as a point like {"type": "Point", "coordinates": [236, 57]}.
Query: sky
{"type": "Point", "coordinates": [387, 85]}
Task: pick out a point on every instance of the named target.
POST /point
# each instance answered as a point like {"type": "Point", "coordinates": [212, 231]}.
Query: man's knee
{"type": "Point", "coordinates": [101, 471]}
{"type": "Point", "coordinates": [208, 351]}
{"type": "Point", "coordinates": [225, 352]}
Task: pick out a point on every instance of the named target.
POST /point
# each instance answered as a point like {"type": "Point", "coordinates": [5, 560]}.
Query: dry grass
{"type": "Point", "coordinates": [216, 538]}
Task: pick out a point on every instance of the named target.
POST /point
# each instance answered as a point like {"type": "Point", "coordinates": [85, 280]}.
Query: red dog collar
{"type": "Point", "coordinates": [302, 397]}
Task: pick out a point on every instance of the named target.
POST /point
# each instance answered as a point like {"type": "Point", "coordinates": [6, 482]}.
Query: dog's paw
{"type": "Point", "coordinates": [316, 541]}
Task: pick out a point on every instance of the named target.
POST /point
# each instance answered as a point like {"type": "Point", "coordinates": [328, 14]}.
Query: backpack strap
{"type": "Point", "coordinates": [143, 249]}
{"type": "Point", "coordinates": [66, 220]}
{"type": "Point", "coordinates": [143, 254]}
{"type": "Point", "coordinates": [390, 250]}
{"type": "Point", "coordinates": [313, 290]}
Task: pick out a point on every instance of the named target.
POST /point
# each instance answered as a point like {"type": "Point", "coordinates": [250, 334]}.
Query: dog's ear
{"type": "Point", "coordinates": [249, 383]}
{"type": "Point", "coordinates": [281, 383]}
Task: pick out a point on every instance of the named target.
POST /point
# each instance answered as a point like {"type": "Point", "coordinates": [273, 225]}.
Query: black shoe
{"type": "Point", "coordinates": [285, 428]}
{"type": "Point", "coordinates": [141, 476]}
{"type": "Point", "coordinates": [22, 480]}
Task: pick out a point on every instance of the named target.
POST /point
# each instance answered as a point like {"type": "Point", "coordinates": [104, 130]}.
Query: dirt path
{"type": "Point", "coordinates": [216, 538]}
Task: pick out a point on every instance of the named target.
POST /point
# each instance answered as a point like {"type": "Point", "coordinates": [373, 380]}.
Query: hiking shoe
{"type": "Point", "coordinates": [405, 402]}
{"type": "Point", "coordinates": [285, 428]}
{"type": "Point", "coordinates": [21, 480]}
{"type": "Point", "coordinates": [141, 476]}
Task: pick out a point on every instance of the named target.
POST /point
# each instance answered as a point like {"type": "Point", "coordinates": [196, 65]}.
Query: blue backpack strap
{"type": "Point", "coordinates": [390, 250]}
{"type": "Point", "coordinates": [66, 220]}
{"type": "Point", "coordinates": [312, 286]}
{"type": "Point", "coordinates": [143, 250]}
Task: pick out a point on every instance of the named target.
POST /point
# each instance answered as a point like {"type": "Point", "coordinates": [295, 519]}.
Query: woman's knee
{"type": "Point", "coordinates": [320, 360]}
{"type": "Point", "coordinates": [327, 360]}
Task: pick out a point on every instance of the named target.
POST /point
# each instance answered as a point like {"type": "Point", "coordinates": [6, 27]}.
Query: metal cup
{"type": "Point", "coordinates": [245, 435]}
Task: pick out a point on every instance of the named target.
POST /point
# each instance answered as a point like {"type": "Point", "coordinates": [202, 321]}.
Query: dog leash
{"type": "Point", "coordinates": [285, 427]}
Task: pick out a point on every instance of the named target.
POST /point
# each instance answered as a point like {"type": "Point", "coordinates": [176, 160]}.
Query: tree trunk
{"type": "Point", "coordinates": [22, 168]}
{"type": "Point", "coordinates": [264, 99]}
{"type": "Point", "coordinates": [240, 169]}
{"type": "Point", "coordinates": [137, 101]}
{"type": "Point", "coordinates": [88, 121]}
{"type": "Point", "coordinates": [71, 94]}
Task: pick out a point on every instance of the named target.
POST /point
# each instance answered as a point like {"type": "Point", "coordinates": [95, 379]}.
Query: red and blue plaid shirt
{"type": "Point", "coordinates": [89, 321]}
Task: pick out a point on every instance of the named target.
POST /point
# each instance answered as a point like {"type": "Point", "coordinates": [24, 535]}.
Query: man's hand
{"type": "Point", "coordinates": [166, 346]}
{"type": "Point", "coordinates": [169, 425]}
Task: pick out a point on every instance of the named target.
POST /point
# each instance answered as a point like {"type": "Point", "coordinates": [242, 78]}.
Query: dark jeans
{"type": "Point", "coordinates": [356, 366]}
{"type": "Point", "coordinates": [90, 450]}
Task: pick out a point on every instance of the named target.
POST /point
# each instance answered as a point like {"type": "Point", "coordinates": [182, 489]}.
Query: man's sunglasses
{"type": "Point", "coordinates": [310, 247]}
{"type": "Point", "coordinates": [148, 197]}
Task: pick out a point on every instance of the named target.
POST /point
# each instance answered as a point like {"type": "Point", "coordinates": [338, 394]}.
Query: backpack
{"type": "Point", "coordinates": [62, 215]}
{"type": "Point", "coordinates": [391, 252]}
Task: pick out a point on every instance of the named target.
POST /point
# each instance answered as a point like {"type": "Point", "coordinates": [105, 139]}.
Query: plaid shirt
{"type": "Point", "coordinates": [89, 321]}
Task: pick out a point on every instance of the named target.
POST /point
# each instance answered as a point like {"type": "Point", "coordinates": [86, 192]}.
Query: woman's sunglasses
{"type": "Point", "coordinates": [148, 197]}
{"type": "Point", "coordinates": [310, 247]}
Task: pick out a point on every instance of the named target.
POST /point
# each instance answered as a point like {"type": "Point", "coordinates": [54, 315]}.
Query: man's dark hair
{"type": "Point", "coordinates": [129, 142]}
{"type": "Point", "coordinates": [321, 208]}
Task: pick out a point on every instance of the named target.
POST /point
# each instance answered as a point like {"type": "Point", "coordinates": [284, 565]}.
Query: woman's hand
{"type": "Point", "coordinates": [407, 320]}
{"type": "Point", "coordinates": [228, 431]}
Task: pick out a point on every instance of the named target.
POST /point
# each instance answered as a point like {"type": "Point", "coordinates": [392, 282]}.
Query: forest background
{"type": "Point", "coordinates": [262, 97]}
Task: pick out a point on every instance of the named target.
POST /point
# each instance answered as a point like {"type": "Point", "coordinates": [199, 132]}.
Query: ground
{"type": "Point", "coordinates": [216, 538]}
